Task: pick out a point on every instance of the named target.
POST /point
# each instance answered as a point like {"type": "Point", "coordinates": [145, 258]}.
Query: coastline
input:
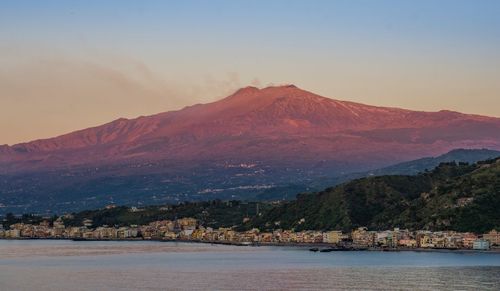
{"type": "Point", "coordinates": [315, 247]}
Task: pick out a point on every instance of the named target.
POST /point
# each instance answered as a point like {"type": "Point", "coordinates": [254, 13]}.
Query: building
{"type": "Point", "coordinates": [332, 237]}
{"type": "Point", "coordinates": [186, 223]}
{"type": "Point", "coordinates": [58, 223]}
{"type": "Point", "coordinates": [408, 242]}
{"type": "Point", "coordinates": [468, 240]}
{"type": "Point", "coordinates": [424, 240]}
{"type": "Point", "coordinates": [384, 238]}
{"type": "Point", "coordinates": [87, 222]}
{"type": "Point", "coordinates": [481, 244]}
{"type": "Point", "coordinates": [362, 237]}
{"type": "Point", "coordinates": [136, 209]}
{"type": "Point", "coordinates": [13, 233]}
{"type": "Point", "coordinates": [493, 237]}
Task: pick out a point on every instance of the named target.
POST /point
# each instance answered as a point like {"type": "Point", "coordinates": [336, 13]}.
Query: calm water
{"type": "Point", "coordinates": [67, 265]}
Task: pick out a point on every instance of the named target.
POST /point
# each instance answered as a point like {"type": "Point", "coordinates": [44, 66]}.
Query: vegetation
{"type": "Point", "coordinates": [413, 167]}
{"type": "Point", "coordinates": [214, 213]}
{"type": "Point", "coordinates": [10, 219]}
{"type": "Point", "coordinates": [453, 196]}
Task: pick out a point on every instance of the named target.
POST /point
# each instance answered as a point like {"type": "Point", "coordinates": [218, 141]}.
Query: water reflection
{"type": "Point", "coordinates": [66, 265]}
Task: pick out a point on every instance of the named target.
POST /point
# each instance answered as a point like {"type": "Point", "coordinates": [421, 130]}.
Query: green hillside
{"type": "Point", "coordinates": [453, 196]}
{"type": "Point", "coordinates": [412, 167]}
{"type": "Point", "coordinates": [214, 213]}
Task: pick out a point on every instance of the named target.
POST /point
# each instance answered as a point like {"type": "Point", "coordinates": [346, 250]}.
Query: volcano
{"type": "Point", "coordinates": [282, 133]}
{"type": "Point", "coordinates": [270, 124]}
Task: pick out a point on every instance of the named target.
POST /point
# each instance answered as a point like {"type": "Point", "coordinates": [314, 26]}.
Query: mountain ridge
{"type": "Point", "coordinates": [250, 91]}
{"type": "Point", "coordinates": [251, 115]}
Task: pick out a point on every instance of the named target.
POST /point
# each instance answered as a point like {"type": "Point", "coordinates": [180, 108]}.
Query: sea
{"type": "Point", "coordinates": [154, 265]}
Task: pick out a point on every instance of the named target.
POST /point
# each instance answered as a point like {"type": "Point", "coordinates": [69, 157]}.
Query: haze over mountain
{"type": "Point", "coordinates": [252, 140]}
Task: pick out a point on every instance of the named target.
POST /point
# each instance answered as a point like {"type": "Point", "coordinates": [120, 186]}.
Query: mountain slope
{"type": "Point", "coordinates": [405, 168]}
{"type": "Point", "coordinates": [420, 165]}
{"type": "Point", "coordinates": [270, 124]}
{"type": "Point", "coordinates": [453, 196]}
{"type": "Point", "coordinates": [235, 148]}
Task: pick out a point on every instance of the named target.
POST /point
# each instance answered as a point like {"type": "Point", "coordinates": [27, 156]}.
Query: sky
{"type": "Point", "coordinates": [68, 65]}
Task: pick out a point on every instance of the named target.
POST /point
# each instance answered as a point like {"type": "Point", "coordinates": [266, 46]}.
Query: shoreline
{"type": "Point", "coordinates": [314, 247]}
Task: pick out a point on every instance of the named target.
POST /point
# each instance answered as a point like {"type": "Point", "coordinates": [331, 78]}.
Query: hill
{"type": "Point", "coordinates": [410, 167]}
{"type": "Point", "coordinates": [425, 164]}
{"type": "Point", "coordinates": [405, 168]}
{"type": "Point", "coordinates": [460, 197]}
{"type": "Point", "coordinates": [213, 214]}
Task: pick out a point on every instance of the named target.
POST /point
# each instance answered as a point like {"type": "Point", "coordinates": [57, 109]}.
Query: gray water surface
{"type": "Point", "coordinates": [69, 265]}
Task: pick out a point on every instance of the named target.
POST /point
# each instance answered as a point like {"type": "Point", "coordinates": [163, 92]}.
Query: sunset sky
{"type": "Point", "coordinates": [67, 65]}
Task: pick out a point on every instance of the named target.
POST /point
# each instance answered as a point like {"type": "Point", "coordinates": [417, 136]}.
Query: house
{"type": "Point", "coordinates": [481, 244]}
{"type": "Point", "coordinates": [425, 241]}
{"type": "Point", "coordinates": [332, 237]}
{"type": "Point", "coordinates": [468, 240]}
{"type": "Point", "coordinates": [362, 237]}
{"type": "Point", "coordinates": [408, 242]}
{"type": "Point", "coordinates": [493, 237]}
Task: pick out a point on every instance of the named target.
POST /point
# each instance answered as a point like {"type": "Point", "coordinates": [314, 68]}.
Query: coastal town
{"type": "Point", "coordinates": [190, 230]}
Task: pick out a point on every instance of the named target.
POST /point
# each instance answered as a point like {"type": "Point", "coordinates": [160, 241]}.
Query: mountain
{"type": "Point", "coordinates": [252, 141]}
{"type": "Point", "coordinates": [460, 197]}
{"type": "Point", "coordinates": [271, 124]}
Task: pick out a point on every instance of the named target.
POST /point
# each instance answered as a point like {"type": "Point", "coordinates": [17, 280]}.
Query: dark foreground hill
{"type": "Point", "coordinates": [460, 197]}
{"type": "Point", "coordinates": [405, 168]}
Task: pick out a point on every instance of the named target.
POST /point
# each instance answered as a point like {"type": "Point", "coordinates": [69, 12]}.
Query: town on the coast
{"type": "Point", "coordinates": [189, 229]}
